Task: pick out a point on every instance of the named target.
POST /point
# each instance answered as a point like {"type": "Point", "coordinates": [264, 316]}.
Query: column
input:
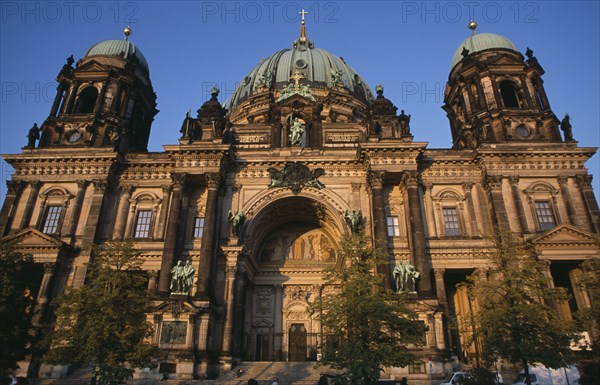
{"type": "Point", "coordinates": [528, 100]}
{"type": "Point", "coordinates": [585, 186]}
{"type": "Point", "coordinates": [124, 102]}
{"type": "Point", "coordinates": [116, 99]}
{"type": "Point", "coordinates": [516, 194]}
{"type": "Point", "coordinates": [121, 221]}
{"type": "Point", "coordinates": [11, 202]}
{"type": "Point", "coordinates": [100, 98]}
{"type": "Point", "coordinates": [33, 194]}
{"type": "Point", "coordinates": [419, 250]}
{"type": "Point", "coordinates": [213, 181]}
{"type": "Point", "coordinates": [238, 312]}
{"type": "Point", "coordinates": [493, 186]}
{"type": "Point", "coordinates": [430, 210]}
{"type": "Point", "coordinates": [93, 218]}
{"type": "Point", "coordinates": [170, 245]}
{"type": "Point", "coordinates": [162, 217]}
{"type": "Point", "coordinates": [580, 293]}
{"type": "Point", "coordinates": [81, 187]}
{"type": "Point", "coordinates": [563, 182]}
{"type": "Point", "coordinates": [440, 288]}
{"type": "Point", "coordinates": [152, 281]}
{"type": "Point", "coordinates": [43, 297]}
{"type": "Point", "coordinates": [467, 187]}
{"type": "Point", "coordinates": [376, 180]}
{"type": "Point", "coordinates": [231, 271]}
{"type": "Point", "coordinates": [278, 331]}
{"type": "Point", "coordinates": [71, 100]}
{"type": "Point", "coordinates": [59, 95]}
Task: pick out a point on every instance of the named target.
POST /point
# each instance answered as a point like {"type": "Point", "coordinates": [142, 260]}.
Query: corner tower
{"type": "Point", "coordinates": [495, 95]}
{"type": "Point", "coordinates": [106, 100]}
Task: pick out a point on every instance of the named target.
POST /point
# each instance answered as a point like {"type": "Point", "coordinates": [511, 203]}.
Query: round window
{"type": "Point", "coordinates": [523, 131]}
{"type": "Point", "coordinates": [74, 136]}
{"type": "Point", "coordinates": [301, 63]}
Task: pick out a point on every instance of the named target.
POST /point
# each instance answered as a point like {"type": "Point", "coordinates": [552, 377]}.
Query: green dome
{"type": "Point", "coordinates": [480, 42]}
{"type": "Point", "coordinates": [318, 66]}
{"type": "Point", "coordinates": [120, 48]}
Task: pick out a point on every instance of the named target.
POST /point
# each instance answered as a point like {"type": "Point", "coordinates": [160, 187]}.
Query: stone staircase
{"type": "Point", "coordinates": [288, 373]}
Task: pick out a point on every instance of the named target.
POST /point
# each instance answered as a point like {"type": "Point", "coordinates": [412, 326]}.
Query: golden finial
{"type": "Point", "coordinates": [472, 26]}
{"type": "Point", "coordinates": [127, 32]}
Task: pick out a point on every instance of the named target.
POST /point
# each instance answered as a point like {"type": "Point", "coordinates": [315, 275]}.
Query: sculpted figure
{"type": "Point", "coordinates": [296, 132]}
{"type": "Point", "coordinates": [411, 275]}
{"type": "Point", "coordinates": [177, 278]}
{"type": "Point", "coordinates": [404, 123]}
{"type": "Point", "coordinates": [188, 276]}
{"type": "Point", "coordinates": [33, 135]}
{"type": "Point", "coordinates": [354, 220]}
{"type": "Point", "coordinates": [237, 220]}
{"type": "Point", "coordinates": [398, 275]}
{"type": "Point", "coordinates": [565, 126]}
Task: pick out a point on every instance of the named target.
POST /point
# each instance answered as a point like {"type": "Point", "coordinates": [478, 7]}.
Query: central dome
{"type": "Point", "coordinates": [318, 67]}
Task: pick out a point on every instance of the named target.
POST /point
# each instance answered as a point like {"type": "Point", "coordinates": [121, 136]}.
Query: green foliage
{"type": "Point", "coordinates": [16, 305]}
{"type": "Point", "coordinates": [516, 319]}
{"type": "Point", "coordinates": [365, 326]}
{"type": "Point", "coordinates": [103, 323]}
{"type": "Point", "coordinates": [589, 366]}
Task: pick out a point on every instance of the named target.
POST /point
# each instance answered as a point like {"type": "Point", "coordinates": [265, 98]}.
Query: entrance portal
{"type": "Point", "coordinates": [297, 342]}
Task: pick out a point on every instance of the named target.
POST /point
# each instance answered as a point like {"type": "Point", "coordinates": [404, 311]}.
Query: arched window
{"type": "Point", "coordinates": [542, 199]}
{"type": "Point", "coordinates": [509, 94]}
{"type": "Point", "coordinates": [87, 100]}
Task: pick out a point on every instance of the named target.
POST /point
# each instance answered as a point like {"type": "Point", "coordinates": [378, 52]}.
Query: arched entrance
{"type": "Point", "coordinates": [296, 239]}
{"type": "Point", "coordinates": [297, 343]}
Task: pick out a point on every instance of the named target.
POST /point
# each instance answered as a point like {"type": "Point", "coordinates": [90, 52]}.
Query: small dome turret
{"type": "Point", "coordinates": [120, 48]}
{"type": "Point", "coordinates": [479, 42]}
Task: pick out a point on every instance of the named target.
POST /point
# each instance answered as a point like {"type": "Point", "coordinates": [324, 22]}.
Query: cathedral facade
{"type": "Point", "coordinates": [256, 196]}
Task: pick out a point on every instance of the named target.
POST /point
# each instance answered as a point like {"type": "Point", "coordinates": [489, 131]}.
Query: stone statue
{"type": "Point", "coordinates": [565, 126]}
{"type": "Point", "coordinates": [177, 278]}
{"type": "Point", "coordinates": [404, 123]}
{"type": "Point", "coordinates": [398, 275]}
{"type": "Point", "coordinates": [33, 135]}
{"type": "Point", "coordinates": [354, 220]}
{"type": "Point", "coordinates": [188, 277]}
{"type": "Point", "coordinates": [237, 220]}
{"type": "Point", "coordinates": [336, 77]}
{"type": "Point", "coordinates": [296, 132]}
{"type": "Point", "coordinates": [405, 277]}
{"type": "Point", "coordinates": [411, 275]}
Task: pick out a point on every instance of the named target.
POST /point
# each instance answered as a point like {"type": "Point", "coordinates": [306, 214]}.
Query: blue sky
{"type": "Point", "coordinates": [192, 45]}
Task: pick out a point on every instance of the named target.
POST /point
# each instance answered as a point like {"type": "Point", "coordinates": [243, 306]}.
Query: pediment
{"type": "Point", "coordinates": [565, 234]}
{"type": "Point", "coordinates": [92, 65]}
{"type": "Point", "coordinates": [33, 238]}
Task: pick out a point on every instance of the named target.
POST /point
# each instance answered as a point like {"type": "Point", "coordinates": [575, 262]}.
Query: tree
{"type": "Point", "coordinates": [366, 327]}
{"type": "Point", "coordinates": [589, 366]}
{"type": "Point", "coordinates": [103, 323]}
{"type": "Point", "coordinates": [515, 318]}
{"type": "Point", "coordinates": [16, 305]}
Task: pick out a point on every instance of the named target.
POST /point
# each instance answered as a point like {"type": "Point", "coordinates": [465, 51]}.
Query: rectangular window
{"type": "Point", "coordinates": [544, 215]}
{"type": "Point", "coordinates": [451, 224]}
{"type": "Point", "coordinates": [198, 227]}
{"type": "Point", "coordinates": [417, 368]}
{"type": "Point", "coordinates": [142, 224]}
{"type": "Point", "coordinates": [51, 220]}
{"type": "Point", "coordinates": [393, 227]}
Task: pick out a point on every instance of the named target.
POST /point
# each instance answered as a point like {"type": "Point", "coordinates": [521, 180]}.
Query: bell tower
{"type": "Point", "coordinates": [106, 100]}
{"type": "Point", "coordinates": [495, 95]}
